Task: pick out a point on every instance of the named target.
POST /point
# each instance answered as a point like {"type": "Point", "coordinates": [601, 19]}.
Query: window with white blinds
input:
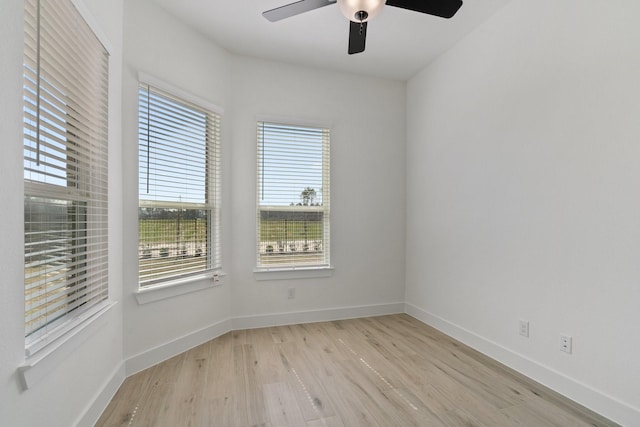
{"type": "Point", "coordinates": [65, 169]}
{"type": "Point", "coordinates": [293, 197]}
{"type": "Point", "coordinates": [178, 187]}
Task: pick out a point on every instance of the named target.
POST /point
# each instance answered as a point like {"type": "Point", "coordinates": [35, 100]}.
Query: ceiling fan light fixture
{"type": "Point", "coordinates": [352, 9]}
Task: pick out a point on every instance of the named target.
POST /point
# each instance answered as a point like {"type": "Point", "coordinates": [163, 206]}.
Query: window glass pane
{"type": "Point", "coordinates": [65, 169]}
{"type": "Point", "coordinates": [55, 258]}
{"type": "Point", "coordinates": [173, 150]}
{"type": "Point", "coordinates": [172, 241]}
{"type": "Point", "coordinates": [293, 196]}
{"type": "Point", "coordinates": [178, 187]}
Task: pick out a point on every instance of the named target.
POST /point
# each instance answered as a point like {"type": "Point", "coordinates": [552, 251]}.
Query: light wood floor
{"type": "Point", "coordinates": [380, 371]}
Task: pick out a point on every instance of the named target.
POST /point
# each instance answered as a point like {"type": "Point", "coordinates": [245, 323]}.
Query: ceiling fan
{"type": "Point", "coordinates": [359, 12]}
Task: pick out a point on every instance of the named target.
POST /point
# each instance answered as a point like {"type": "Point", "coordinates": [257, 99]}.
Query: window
{"type": "Point", "coordinates": [293, 197]}
{"type": "Point", "coordinates": [65, 170]}
{"type": "Point", "coordinates": [178, 188]}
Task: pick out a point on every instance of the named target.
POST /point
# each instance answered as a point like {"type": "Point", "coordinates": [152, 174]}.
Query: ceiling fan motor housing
{"type": "Point", "coordinates": [360, 10]}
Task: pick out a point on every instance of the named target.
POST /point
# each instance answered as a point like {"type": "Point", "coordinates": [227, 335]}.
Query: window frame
{"type": "Point", "coordinates": [48, 347]}
{"type": "Point", "coordinates": [296, 270]}
{"type": "Point", "coordinates": [168, 287]}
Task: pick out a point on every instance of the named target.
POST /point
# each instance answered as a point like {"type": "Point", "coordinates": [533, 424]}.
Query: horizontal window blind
{"type": "Point", "coordinates": [65, 167]}
{"type": "Point", "coordinates": [179, 187]}
{"type": "Point", "coordinates": [293, 196]}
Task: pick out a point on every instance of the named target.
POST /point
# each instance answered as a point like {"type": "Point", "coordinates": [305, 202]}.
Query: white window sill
{"type": "Point", "coordinates": [292, 273]}
{"type": "Point", "coordinates": [173, 288]}
{"type": "Point", "coordinates": [56, 347]}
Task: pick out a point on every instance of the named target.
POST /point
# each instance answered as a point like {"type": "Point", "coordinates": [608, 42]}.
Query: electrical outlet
{"type": "Point", "coordinates": [565, 343]}
{"type": "Point", "coordinates": [291, 293]}
{"type": "Point", "coordinates": [524, 328]}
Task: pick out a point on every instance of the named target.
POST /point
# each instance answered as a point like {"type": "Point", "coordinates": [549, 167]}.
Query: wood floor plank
{"type": "Point", "coordinates": [125, 404]}
{"type": "Point", "coordinates": [335, 339]}
{"type": "Point", "coordinates": [560, 416]}
{"type": "Point", "coordinates": [250, 398]}
{"type": "Point", "coordinates": [220, 384]}
{"type": "Point", "coordinates": [282, 334]}
{"type": "Point", "coordinates": [240, 392]}
{"type": "Point", "coordinates": [326, 422]}
{"type": "Point", "coordinates": [433, 399]}
{"type": "Point", "coordinates": [168, 372]}
{"type": "Point", "coordinates": [189, 387]}
{"type": "Point", "coordinates": [411, 410]}
{"type": "Point", "coordinates": [358, 380]}
{"type": "Point", "coordinates": [395, 344]}
{"type": "Point", "coordinates": [313, 341]}
{"type": "Point", "coordinates": [384, 371]}
{"type": "Point", "coordinates": [157, 408]}
{"type": "Point", "coordinates": [311, 396]}
{"type": "Point", "coordinates": [525, 416]}
{"type": "Point", "coordinates": [239, 337]}
{"type": "Point", "coordinates": [484, 410]}
{"type": "Point", "coordinates": [281, 405]}
{"type": "Point", "coordinates": [460, 417]}
{"type": "Point", "coordinates": [348, 405]}
{"type": "Point", "coordinates": [218, 412]}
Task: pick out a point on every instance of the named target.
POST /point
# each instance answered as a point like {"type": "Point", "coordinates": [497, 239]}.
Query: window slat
{"type": "Point", "coordinates": [178, 174]}
{"type": "Point", "coordinates": [293, 196]}
{"type": "Point", "coordinates": [65, 167]}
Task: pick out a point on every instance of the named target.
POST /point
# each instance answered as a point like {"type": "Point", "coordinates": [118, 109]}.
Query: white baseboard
{"type": "Point", "coordinates": [573, 389]}
{"type": "Point", "coordinates": [165, 351]}
{"type": "Point", "coordinates": [103, 397]}
{"type": "Point", "coordinates": [146, 359]}
{"type": "Point", "coordinates": [583, 394]}
{"type": "Point", "coordinates": [311, 316]}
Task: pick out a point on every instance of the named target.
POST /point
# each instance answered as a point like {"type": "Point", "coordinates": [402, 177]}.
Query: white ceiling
{"type": "Point", "coordinates": [399, 42]}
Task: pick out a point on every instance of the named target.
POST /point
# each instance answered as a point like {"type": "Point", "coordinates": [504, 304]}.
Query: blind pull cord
{"type": "Point", "coordinates": [148, 135]}
{"type": "Point", "coordinates": [262, 165]}
{"type": "Point", "coordinates": [38, 84]}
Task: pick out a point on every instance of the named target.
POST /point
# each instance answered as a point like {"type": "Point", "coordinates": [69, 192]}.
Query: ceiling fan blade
{"type": "Point", "coordinates": [357, 36]}
{"type": "Point", "coordinates": [441, 8]}
{"type": "Point", "coordinates": [296, 8]}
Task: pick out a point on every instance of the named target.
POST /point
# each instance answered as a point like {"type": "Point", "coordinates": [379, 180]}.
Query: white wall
{"type": "Point", "coordinates": [159, 45]}
{"type": "Point", "coordinates": [367, 123]}
{"type": "Point", "coordinates": [523, 170]}
{"type": "Point", "coordinates": [518, 199]}
{"type": "Point", "coordinates": [93, 363]}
